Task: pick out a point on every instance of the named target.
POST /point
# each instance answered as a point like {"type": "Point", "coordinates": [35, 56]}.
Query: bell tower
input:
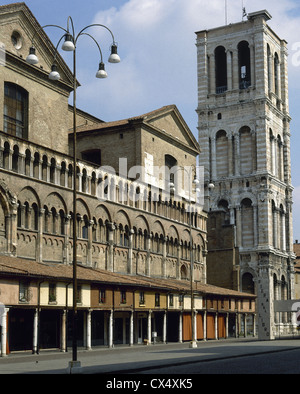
{"type": "Point", "coordinates": [244, 134]}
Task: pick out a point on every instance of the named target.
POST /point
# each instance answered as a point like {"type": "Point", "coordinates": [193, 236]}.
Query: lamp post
{"type": "Point", "coordinates": [70, 43]}
{"type": "Point", "coordinates": [195, 182]}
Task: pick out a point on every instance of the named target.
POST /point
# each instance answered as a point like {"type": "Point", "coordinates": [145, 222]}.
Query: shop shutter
{"type": "Point", "coordinates": [210, 326]}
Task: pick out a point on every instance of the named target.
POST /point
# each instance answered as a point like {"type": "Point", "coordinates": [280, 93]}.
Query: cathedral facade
{"type": "Point", "coordinates": [140, 247]}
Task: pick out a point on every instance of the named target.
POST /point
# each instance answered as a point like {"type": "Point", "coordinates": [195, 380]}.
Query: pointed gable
{"type": "Point", "coordinates": [19, 29]}
{"type": "Point", "coordinates": [169, 121]}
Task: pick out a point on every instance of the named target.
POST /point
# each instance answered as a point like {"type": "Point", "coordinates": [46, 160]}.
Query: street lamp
{"type": "Point", "coordinates": [70, 41]}
{"type": "Point", "coordinates": [195, 182]}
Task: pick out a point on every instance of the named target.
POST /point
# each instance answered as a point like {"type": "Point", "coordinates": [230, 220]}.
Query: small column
{"type": "Point", "coordinates": [110, 257]}
{"type": "Point", "coordinates": [204, 326]}
{"type": "Point", "coordinates": [180, 328]}
{"type": "Point", "coordinates": [238, 226]}
{"type": "Point", "coordinates": [164, 257]}
{"type": "Point", "coordinates": [213, 158]}
{"type": "Point", "coordinates": [235, 63]}
{"type": "Point", "coordinates": [148, 271]}
{"type": "Point", "coordinates": [149, 326]}
{"type": "Point", "coordinates": [3, 324]}
{"type": "Point", "coordinates": [229, 69]}
{"type": "Point", "coordinates": [237, 153]}
{"type": "Point", "coordinates": [165, 327]}
{"type": "Point", "coordinates": [252, 64]}
{"type": "Point", "coordinates": [216, 326]}
{"type": "Point", "coordinates": [35, 332]}
{"type": "Point", "coordinates": [195, 326]}
{"type": "Point", "coordinates": [130, 252]}
{"type": "Point", "coordinates": [63, 345]}
{"type": "Point", "coordinates": [255, 230]}
{"type": "Point", "coordinates": [131, 329]}
{"type": "Point", "coordinates": [226, 325]}
{"type": "Point", "coordinates": [89, 330]}
{"type": "Point", "coordinates": [40, 236]}
{"type": "Point", "coordinates": [90, 243]}
{"type": "Point", "coordinates": [212, 78]}
{"type": "Point", "coordinates": [110, 329]}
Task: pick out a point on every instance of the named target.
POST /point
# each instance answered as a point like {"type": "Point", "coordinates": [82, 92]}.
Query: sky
{"type": "Point", "coordinates": [156, 42]}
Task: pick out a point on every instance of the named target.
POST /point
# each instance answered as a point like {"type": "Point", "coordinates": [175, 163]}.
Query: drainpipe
{"type": "Point", "coordinates": [38, 319]}
{"type": "Point", "coordinates": [67, 300]}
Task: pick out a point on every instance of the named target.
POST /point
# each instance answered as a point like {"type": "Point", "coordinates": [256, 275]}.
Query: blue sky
{"type": "Point", "coordinates": [156, 40]}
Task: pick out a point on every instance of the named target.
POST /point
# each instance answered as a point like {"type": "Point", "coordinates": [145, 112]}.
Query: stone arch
{"type": "Point", "coordinates": [55, 200]}
{"type": "Point", "coordinates": [82, 208]}
{"type": "Point", "coordinates": [29, 194]}
{"type": "Point", "coordinates": [122, 217]}
{"type": "Point", "coordinates": [101, 212]}
{"type": "Point", "coordinates": [141, 223]}
{"type": "Point", "coordinates": [158, 228]}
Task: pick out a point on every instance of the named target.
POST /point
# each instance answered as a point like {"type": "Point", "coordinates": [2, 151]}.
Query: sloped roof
{"type": "Point", "coordinates": [12, 266]}
{"type": "Point", "coordinates": [146, 118]}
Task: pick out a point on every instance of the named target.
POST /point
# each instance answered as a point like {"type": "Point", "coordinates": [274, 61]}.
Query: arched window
{"type": "Point", "coordinates": [15, 110]}
{"type": "Point", "coordinates": [52, 171]}
{"type": "Point", "coordinates": [247, 151]}
{"type": "Point", "coordinates": [280, 158]}
{"type": "Point", "coordinates": [44, 168]}
{"type": "Point", "coordinates": [222, 153]}
{"type": "Point", "coordinates": [247, 223]}
{"type": "Point", "coordinates": [221, 69]}
{"type": "Point", "coordinates": [6, 153]}
{"type": "Point", "coordinates": [276, 74]}
{"type": "Point", "coordinates": [61, 222]}
{"type": "Point", "coordinates": [244, 65]}
{"type": "Point", "coordinates": [62, 178]}
{"type": "Point", "coordinates": [85, 227]}
{"type": "Point", "coordinates": [15, 159]}
{"type": "Point", "coordinates": [183, 272]}
{"type": "Point", "coordinates": [248, 283]}
{"type": "Point", "coordinates": [36, 165]}
{"type": "Point", "coordinates": [27, 162]}
{"type": "Point", "coordinates": [170, 162]}
{"type": "Point", "coordinates": [34, 217]}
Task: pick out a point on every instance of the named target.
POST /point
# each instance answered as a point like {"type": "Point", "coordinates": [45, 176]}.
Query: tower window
{"type": "Point", "coordinates": [15, 110]}
{"type": "Point", "coordinates": [244, 64]}
{"type": "Point", "coordinates": [221, 69]}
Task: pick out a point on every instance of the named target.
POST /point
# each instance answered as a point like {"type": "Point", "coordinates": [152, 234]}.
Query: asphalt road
{"type": "Point", "coordinates": [236, 356]}
{"type": "Point", "coordinates": [281, 362]}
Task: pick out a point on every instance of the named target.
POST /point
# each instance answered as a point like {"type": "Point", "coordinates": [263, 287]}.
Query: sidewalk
{"type": "Point", "coordinates": [135, 359]}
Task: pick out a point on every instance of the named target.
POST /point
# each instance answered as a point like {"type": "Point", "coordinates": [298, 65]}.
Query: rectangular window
{"type": "Point", "coordinates": [15, 110]}
{"type": "Point", "coordinates": [157, 299]}
{"type": "Point", "coordinates": [171, 300]}
{"type": "Point", "coordinates": [181, 298]}
{"type": "Point", "coordinates": [142, 298]}
{"type": "Point", "coordinates": [79, 295]}
{"type": "Point", "coordinates": [101, 296]}
{"type": "Point", "coordinates": [52, 292]}
{"type": "Point", "coordinates": [24, 291]}
{"type": "Point", "coordinates": [123, 297]}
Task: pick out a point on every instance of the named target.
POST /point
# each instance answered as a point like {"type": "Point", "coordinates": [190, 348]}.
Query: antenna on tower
{"type": "Point", "coordinates": [244, 13]}
{"type": "Point", "coordinates": [225, 12]}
